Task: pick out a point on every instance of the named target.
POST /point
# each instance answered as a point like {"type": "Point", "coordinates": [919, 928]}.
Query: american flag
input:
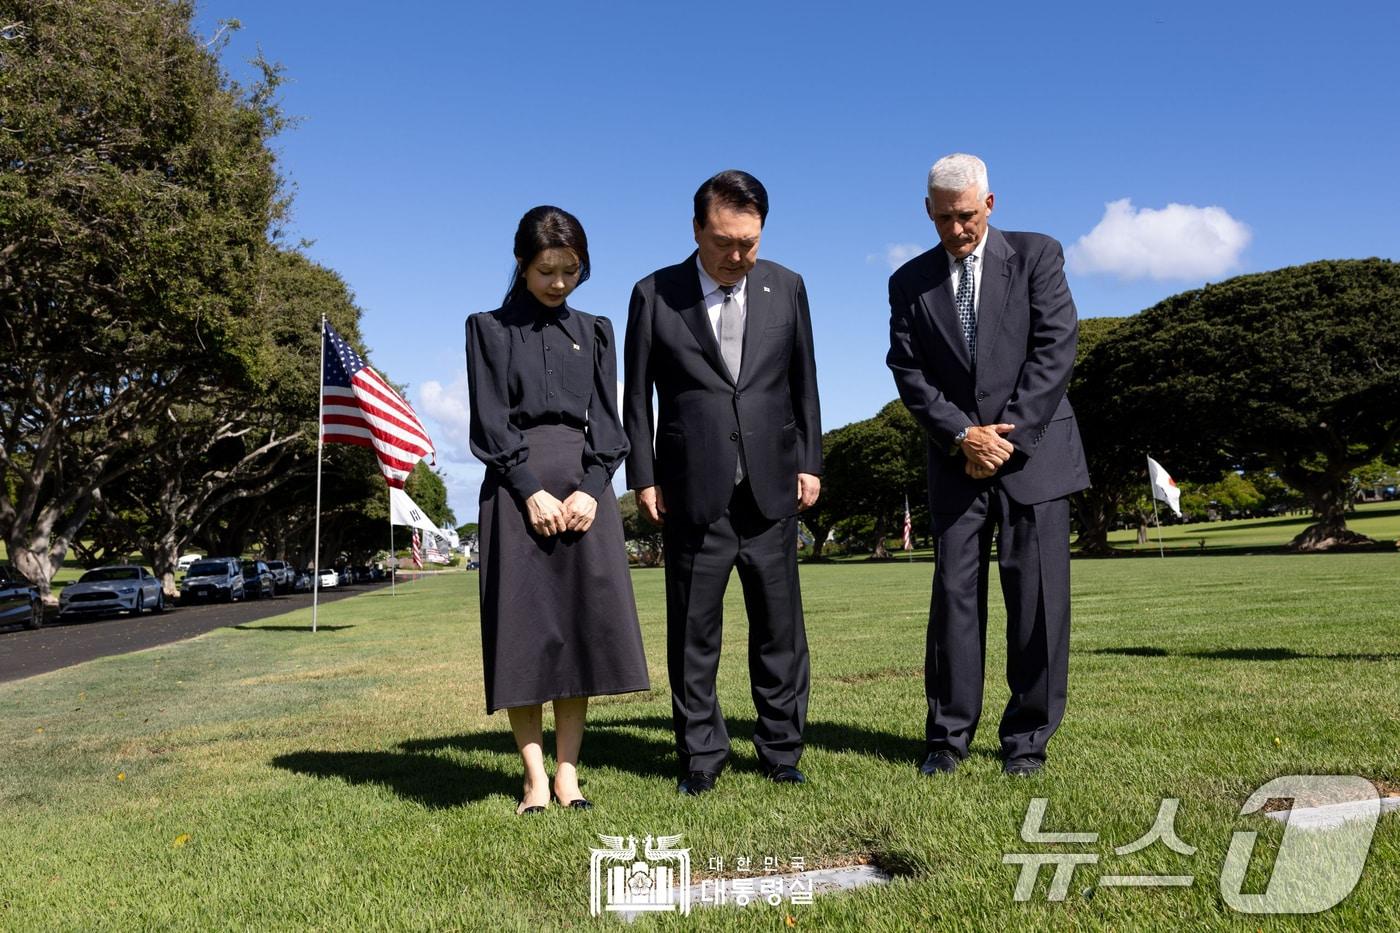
{"type": "Point", "coordinates": [359, 407]}
{"type": "Point", "coordinates": [908, 527]}
{"type": "Point", "coordinates": [417, 551]}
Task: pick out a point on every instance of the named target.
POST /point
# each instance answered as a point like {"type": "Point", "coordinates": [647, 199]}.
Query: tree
{"type": "Point", "coordinates": [1130, 394]}
{"type": "Point", "coordinates": [822, 517]}
{"type": "Point", "coordinates": [637, 529]}
{"type": "Point", "coordinates": [1295, 371]}
{"type": "Point", "coordinates": [136, 201]}
{"type": "Point", "coordinates": [1232, 495]}
{"type": "Point", "coordinates": [871, 466]}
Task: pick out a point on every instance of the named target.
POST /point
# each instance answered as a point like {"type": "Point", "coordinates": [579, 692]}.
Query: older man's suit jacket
{"type": "Point", "coordinates": [1025, 354]}
{"type": "Point", "coordinates": [704, 416]}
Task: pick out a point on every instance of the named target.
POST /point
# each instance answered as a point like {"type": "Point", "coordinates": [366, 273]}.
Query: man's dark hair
{"type": "Point", "coordinates": [543, 228]}
{"type": "Point", "coordinates": [735, 189]}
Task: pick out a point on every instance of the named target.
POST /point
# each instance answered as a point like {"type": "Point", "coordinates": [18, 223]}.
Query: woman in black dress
{"type": "Point", "coordinates": [558, 619]}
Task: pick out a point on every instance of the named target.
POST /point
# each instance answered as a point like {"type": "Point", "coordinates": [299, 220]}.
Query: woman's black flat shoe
{"type": "Point", "coordinates": [529, 810]}
{"type": "Point", "coordinates": [578, 803]}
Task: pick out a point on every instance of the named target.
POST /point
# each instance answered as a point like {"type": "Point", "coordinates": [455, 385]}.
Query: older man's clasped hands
{"type": "Point", "coordinates": [986, 449]}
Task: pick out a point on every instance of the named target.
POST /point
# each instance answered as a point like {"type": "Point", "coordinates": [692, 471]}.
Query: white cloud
{"type": "Point", "coordinates": [897, 254]}
{"type": "Point", "coordinates": [463, 483]}
{"type": "Point", "coordinates": [447, 407]}
{"type": "Point", "coordinates": [1180, 241]}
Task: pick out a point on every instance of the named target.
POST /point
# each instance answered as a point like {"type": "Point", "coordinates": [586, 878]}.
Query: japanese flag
{"type": "Point", "coordinates": [1163, 486]}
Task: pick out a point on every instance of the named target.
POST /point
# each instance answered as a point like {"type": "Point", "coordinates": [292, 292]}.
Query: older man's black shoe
{"type": "Point", "coordinates": [1022, 767]}
{"type": "Point", "coordinates": [942, 762]}
{"type": "Point", "coordinates": [787, 774]}
{"type": "Point", "coordinates": [697, 782]}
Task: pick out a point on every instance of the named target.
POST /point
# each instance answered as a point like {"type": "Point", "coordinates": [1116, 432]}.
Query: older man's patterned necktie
{"type": "Point", "coordinates": [965, 301]}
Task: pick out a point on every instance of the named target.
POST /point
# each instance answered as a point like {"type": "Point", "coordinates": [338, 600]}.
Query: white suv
{"type": "Point", "coordinates": [218, 578]}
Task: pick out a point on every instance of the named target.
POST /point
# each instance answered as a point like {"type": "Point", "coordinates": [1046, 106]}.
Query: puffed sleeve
{"type": "Point", "coordinates": [498, 443]}
{"type": "Point", "coordinates": [605, 444]}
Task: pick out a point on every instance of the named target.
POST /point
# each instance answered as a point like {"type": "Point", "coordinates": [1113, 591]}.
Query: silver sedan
{"type": "Point", "coordinates": [118, 588]}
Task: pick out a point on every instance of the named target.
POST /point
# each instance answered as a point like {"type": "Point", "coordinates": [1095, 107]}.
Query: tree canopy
{"type": "Point", "coordinates": [1296, 371]}
{"type": "Point", "coordinates": [158, 345]}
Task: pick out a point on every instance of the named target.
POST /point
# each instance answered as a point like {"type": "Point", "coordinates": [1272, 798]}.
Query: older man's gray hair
{"type": "Point", "coordinates": [958, 172]}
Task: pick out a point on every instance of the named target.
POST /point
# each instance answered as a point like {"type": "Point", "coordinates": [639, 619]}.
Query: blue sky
{"type": "Point", "coordinates": [427, 129]}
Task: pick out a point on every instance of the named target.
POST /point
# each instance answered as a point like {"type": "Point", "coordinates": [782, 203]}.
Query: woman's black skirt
{"type": "Point", "coordinates": [558, 618]}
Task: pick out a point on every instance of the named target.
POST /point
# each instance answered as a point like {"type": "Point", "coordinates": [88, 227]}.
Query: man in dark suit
{"type": "Point", "coordinates": [725, 339]}
{"type": "Point", "coordinates": [982, 341]}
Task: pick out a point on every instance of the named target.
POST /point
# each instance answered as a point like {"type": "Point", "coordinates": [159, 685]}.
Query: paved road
{"type": "Point", "coordinates": [24, 653]}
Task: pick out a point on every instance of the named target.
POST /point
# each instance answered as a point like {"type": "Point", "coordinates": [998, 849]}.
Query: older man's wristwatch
{"type": "Point", "coordinates": [959, 438]}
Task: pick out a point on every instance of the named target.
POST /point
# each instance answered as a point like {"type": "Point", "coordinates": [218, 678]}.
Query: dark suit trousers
{"type": "Point", "coordinates": [699, 561]}
{"type": "Point", "coordinates": [1033, 555]}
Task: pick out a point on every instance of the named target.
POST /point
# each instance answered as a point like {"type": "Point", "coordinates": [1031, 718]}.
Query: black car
{"type": "Point", "coordinates": [19, 601]}
{"type": "Point", "coordinates": [257, 580]}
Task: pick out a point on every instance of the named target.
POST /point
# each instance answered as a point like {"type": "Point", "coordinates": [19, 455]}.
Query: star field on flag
{"type": "Point", "coordinates": [359, 407]}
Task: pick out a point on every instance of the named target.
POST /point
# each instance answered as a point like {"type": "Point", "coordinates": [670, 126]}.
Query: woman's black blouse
{"type": "Point", "coordinates": [529, 365]}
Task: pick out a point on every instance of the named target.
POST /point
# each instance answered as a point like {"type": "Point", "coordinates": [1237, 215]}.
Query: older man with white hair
{"type": "Point", "coordinates": [982, 341]}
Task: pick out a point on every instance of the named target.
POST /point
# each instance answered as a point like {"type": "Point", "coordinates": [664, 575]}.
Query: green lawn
{"type": "Point", "coordinates": [1378, 520]}
{"type": "Point", "coordinates": [350, 780]}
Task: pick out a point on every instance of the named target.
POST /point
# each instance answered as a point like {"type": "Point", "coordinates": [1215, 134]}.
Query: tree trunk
{"type": "Point", "coordinates": [819, 536]}
{"type": "Point", "coordinates": [1330, 498]}
{"type": "Point", "coordinates": [37, 552]}
{"type": "Point", "coordinates": [164, 555]}
{"type": "Point", "coordinates": [1096, 512]}
{"type": "Point", "coordinates": [1142, 529]}
{"type": "Point", "coordinates": [880, 552]}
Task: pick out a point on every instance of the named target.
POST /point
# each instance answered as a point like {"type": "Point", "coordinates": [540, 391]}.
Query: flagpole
{"type": "Point", "coordinates": [320, 443]}
{"type": "Point", "coordinates": [392, 582]}
{"type": "Point", "coordinates": [1152, 491]}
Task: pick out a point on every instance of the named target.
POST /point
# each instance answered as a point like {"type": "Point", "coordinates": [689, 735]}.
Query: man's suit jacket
{"type": "Point", "coordinates": [1027, 330]}
{"type": "Point", "coordinates": [704, 417]}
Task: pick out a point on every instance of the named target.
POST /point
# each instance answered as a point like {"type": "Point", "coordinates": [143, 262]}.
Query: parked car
{"type": "Point", "coordinates": [218, 578]}
{"type": "Point", "coordinates": [302, 583]}
{"type": "Point", "coordinates": [186, 560]}
{"type": "Point", "coordinates": [19, 601]}
{"type": "Point", "coordinates": [283, 575]}
{"type": "Point", "coordinates": [345, 576]}
{"type": "Point", "coordinates": [329, 578]}
{"type": "Point", "coordinates": [258, 581]}
{"type": "Point", "coordinates": [117, 588]}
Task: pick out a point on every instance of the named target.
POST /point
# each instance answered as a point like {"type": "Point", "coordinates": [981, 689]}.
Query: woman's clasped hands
{"type": "Point", "coordinates": [548, 516]}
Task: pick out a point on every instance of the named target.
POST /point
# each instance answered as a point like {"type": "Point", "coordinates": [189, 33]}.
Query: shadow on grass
{"type": "Point", "coordinates": [432, 780]}
{"type": "Point", "coordinates": [604, 746]}
{"type": "Point", "coordinates": [416, 772]}
{"type": "Point", "coordinates": [830, 736]}
{"type": "Point", "coordinates": [1248, 654]}
{"type": "Point", "coordinates": [289, 628]}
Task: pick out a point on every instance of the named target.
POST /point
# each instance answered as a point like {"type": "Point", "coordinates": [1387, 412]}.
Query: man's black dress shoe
{"type": "Point", "coordinates": [697, 782]}
{"type": "Point", "coordinates": [941, 762]}
{"type": "Point", "coordinates": [787, 774]}
{"type": "Point", "coordinates": [1022, 767]}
